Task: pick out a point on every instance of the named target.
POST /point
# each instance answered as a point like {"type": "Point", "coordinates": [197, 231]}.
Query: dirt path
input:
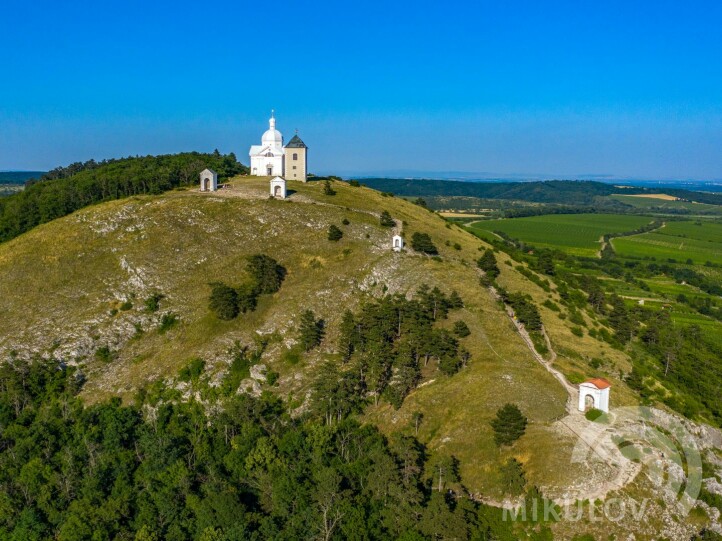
{"type": "Point", "coordinates": [594, 436]}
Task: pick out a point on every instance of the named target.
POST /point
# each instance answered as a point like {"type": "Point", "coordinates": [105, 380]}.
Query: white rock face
{"type": "Point", "coordinates": [258, 372]}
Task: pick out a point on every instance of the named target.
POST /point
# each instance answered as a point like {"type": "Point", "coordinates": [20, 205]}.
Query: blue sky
{"type": "Point", "coordinates": [557, 89]}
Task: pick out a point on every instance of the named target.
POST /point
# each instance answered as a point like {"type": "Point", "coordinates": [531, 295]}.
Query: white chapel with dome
{"type": "Point", "coordinates": [272, 159]}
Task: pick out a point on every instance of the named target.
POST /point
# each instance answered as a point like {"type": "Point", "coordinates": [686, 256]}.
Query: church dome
{"type": "Point", "coordinates": [272, 136]}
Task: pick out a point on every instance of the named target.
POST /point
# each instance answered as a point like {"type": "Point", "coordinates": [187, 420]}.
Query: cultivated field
{"type": "Point", "coordinates": [577, 234]}
{"type": "Point", "coordinates": [698, 241]}
{"type": "Point", "coordinates": [649, 202]}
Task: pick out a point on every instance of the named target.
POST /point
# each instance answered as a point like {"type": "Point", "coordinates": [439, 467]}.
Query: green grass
{"type": "Point", "coordinates": [577, 234]}
{"type": "Point", "coordinates": [662, 205]}
{"type": "Point", "coordinates": [677, 240]}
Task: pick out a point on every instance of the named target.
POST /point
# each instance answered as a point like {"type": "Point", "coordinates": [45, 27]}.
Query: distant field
{"type": "Point", "coordinates": [577, 234]}
{"type": "Point", "coordinates": [668, 202]}
{"type": "Point", "coordinates": [677, 240]}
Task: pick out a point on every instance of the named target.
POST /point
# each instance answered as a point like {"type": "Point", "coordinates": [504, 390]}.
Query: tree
{"type": "Point", "coordinates": [417, 417]}
{"type": "Point", "coordinates": [509, 425]}
{"type": "Point", "coordinates": [386, 219]}
{"type": "Point", "coordinates": [455, 300]}
{"type": "Point", "coordinates": [461, 329]}
{"type": "Point", "coordinates": [310, 330]}
{"type": "Point", "coordinates": [334, 233]}
{"type": "Point", "coordinates": [346, 339]}
{"type": "Point", "coordinates": [327, 189]}
{"type": "Point", "coordinates": [266, 273]}
{"type": "Point", "coordinates": [421, 242]}
{"type": "Point", "coordinates": [223, 301]}
{"type": "Point", "coordinates": [545, 262]}
{"type": "Point", "coordinates": [487, 263]}
{"type": "Point", "coordinates": [512, 476]}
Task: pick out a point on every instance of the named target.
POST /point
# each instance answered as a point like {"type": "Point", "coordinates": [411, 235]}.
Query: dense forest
{"type": "Point", "coordinates": [164, 468]}
{"type": "Point", "coordinates": [566, 192]}
{"type": "Point", "coordinates": [67, 189]}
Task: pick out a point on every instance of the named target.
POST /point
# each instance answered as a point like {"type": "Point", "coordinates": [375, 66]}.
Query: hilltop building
{"type": "Point", "coordinates": [271, 159]}
{"type": "Point", "coordinates": [209, 180]}
{"type": "Point", "coordinates": [594, 393]}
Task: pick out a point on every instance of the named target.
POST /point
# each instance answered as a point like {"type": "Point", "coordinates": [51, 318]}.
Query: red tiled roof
{"type": "Point", "coordinates": [599, 383]}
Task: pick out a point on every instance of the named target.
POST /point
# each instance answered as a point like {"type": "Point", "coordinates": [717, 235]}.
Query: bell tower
{"type": "Point", "coordinates": [296, 159]}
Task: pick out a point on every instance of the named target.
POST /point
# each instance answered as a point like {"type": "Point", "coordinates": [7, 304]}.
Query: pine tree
{"type": "Point", "coordinates": [421, 242]}
{"type": "Point", "coordinates": [327, 189]}
{"type": "Point", "coordinates": [487, 263]}
{"type": "Point", "coordinates": [310, 330]}
{"type": "Point", "coordinates": [346, 338]}
{"type": "Point", "coordinates": [509, 425]}
{"type": "Point", "coordinates": [386, 219]}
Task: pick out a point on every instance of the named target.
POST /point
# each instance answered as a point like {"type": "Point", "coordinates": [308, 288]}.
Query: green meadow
{"type": "Point", "coordinates": [698, 241]}
{"type": "Point", "coordinates": [577, 234]}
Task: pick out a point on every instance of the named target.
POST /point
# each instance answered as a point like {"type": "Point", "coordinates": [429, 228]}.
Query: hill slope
{"type": "Point", "coordinates": [74, 290]}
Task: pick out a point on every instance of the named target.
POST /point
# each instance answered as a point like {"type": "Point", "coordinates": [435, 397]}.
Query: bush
{"type": "Point", "coordinates": [327, 189]}
{"type": "Point", "coordinates": [345, 221]}
{"type": "Point", "coordinates": [152, 303]}
{"type": "Point", "coordinates": [509, 425]}
{"type": "Point", "coordinates": [127, 305]}
{"type": "Point", "coordinates": [192, 371]}
{"type": "Point", "coordinates": [593, 414]}
{"type": "Point", "coordinates": [167, 322]}
{"type": "Point", "coordinates": [354, 183]}
{"type": "Point", "coordinates": [334, 233]}
{"type": "Point", "coordinates": [291, 356]}
{"type": "Point", "coordinates": [421, 242]}
{"type": "Point", "coordinates": [223, 301]}
{"type": "Point", "coordinates": [461, 329]}
{"type": "Point", "coordinates": [105, 354]}
{"type": "Point", "coordinates": [386, 220]}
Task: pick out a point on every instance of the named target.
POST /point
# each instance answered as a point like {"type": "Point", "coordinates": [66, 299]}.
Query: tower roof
{"type": "Point", "coordinates": [296, 142]}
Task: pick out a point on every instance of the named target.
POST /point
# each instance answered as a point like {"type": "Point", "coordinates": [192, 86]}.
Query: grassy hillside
{"type": "Point", "coordinates": [75, 290]}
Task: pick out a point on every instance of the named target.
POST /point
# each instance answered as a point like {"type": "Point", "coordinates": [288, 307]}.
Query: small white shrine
{"type": "Point", "coordinates": [278, 188]}
{"type": "Point", "coordinates": [397, 243]}
{"type": "Point", "coordinates": [209, 180]}
{"type": "Point", "coordinates": [594, 393]}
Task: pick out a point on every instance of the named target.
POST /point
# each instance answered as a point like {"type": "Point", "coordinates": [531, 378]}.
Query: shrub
{"type": "Point", "coordinates": [386, 220]}
{"type": "Point", "coordinates": [334, 233]}
{"type": "Point", "coordinates": [354, 183]}
{"type": "Point", "coordinates": [345, 221]}
{"type": "Point", "coordinates": [421, 242]}
{"type": "Point", "coordinates": [593, 414]}
{"type": "Point", "coordinates": [461, 329]}
{"type": "Point", "coordinates": [192, 371]}
{"type": "Point", "coordinates": [223, 301]}
{"type": "Point", "coordinates": [152, 303]}
{"type": "Point", "coordinates": [577, 331]}
{"type": "Point", "coordinates": [105, 354]}
{"type": "Point", "coordinates": [327, 189]}
{"type": "Point", "coordinates": [291, 356]}
{"type": "Point", "coordinates": [509, 425]}
{"type": "Point", "coordinates": [167, 322]}
{"type": "Point", "coordinates": [127, 305]}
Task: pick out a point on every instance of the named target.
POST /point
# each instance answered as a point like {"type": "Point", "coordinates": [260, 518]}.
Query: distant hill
{"type": "Point", "coordinates": [67, 189]}
{"type": "Point", "coordinates": [19, 177]}
{"type": "Point", "coordinates": [567, 192]}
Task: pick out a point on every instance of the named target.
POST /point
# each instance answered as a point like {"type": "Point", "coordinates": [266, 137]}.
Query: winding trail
{"type": "Point", "coordinates": [595, 438]}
